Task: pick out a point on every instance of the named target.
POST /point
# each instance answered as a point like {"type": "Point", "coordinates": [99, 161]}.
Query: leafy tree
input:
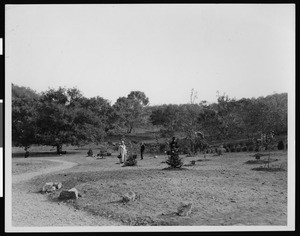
{"type": "Point", "coordinates": [66, 117]}
{"type": "Point", "coordinates": [24, 116]}
{"type": "Point", "coordinates": [139, 96]}
{"type": "Point", "coordinates": [130, 110]}
{"type": "Point", "coordinates": [167, 116]}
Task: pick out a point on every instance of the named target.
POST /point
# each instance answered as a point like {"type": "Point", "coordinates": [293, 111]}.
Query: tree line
{"type": "Point", "coordinates": [64, 116]}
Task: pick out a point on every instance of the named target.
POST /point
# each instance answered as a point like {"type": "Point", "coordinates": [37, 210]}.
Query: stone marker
{"type": "Point", "coordinates": [185, 209]}
{"type": "Point", "coordinates": [69, 194]}
{"type": "Point", "coordinates": [130, 196]}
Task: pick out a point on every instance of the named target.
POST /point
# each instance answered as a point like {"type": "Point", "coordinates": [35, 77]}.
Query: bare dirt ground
{"type": "Point", "coordinates": [33, 209]}
{"type": "Point", "coordinates": [224, 190]}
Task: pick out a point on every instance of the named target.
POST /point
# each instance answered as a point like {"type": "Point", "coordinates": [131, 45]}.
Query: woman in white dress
{"type": "Point", "coordinates": [123, 152]}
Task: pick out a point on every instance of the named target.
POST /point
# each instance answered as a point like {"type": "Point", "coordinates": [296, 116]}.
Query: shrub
{"type": "Point", "coordinates": [280, 145]}
{"type": "Point", "coordinates": [90, 152]}
{"type": "Point", "coordinates": [251, 148]}
{"type": "Point", "coordinates": [244, 149]}
{"type": "Point", "coordinates": [219, 151]}
{"type": "Point", "coordinates": [174, 161]}
{"type": "Point", "coordinates": [131, 160]}
{"type": "Point", "coordinates": [232, 149]}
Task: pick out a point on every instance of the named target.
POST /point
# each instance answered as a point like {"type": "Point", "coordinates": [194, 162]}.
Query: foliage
{"type": "Point", "coordinates": [131, 160]}
{"type": "Point", "coordinates": [166, 116]}
{"type": "Point", "coordinates": [230, 118]}
{"type": "Point", "coordinates": [130, 110]}
{"type": "Point", "coordinates": [280, 145]}
{"type": "Point", "coordinates": [24, 116]}
{"type": "Point", "coordinates": [174, 160]}
{"type": "Point", "coordinates": [66, 117]}
{"type": "Point", "coordinates": [90, 153]}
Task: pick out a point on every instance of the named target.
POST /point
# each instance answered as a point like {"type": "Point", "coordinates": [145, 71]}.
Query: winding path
{"type": "Point", "coordinates": [33, 209]}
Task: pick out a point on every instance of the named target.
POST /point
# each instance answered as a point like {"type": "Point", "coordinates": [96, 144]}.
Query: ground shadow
{"type": "Point", "coordinates": [260, 161]}
{"type": "Point", "coordinates": [203, 160]}
{"type": "Point", "coordinates": [270, 169]}
{"type": "Point", "coordinates": [174, 169]}
{"type": "Point", "coordinates": [42, 154]}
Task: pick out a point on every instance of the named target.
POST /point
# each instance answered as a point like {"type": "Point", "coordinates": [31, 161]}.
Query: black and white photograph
{"type": "Point", "coordinates": [149, 117]}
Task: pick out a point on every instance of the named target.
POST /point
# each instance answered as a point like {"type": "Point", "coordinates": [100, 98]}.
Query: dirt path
{"type": "Point", "coordinates": [33, 209]}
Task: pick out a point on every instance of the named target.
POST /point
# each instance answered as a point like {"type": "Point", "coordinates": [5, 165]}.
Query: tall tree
{"type": "Point", "coordinates": [130, 110]}
{"type": "Point", "coordinates": [24, 116]}
{"type": "Point", "coordinates": [66, 117]}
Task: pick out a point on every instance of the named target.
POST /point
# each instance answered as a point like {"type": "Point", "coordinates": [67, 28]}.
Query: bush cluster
{"type": "Point", "coordinates": [131, 160]}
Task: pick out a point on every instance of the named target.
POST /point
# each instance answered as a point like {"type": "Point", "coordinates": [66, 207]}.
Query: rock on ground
{"type": "Point", "coordinates": [69, 194]}
{"type": "Point", "coordinates": [185, 209]}
{"type": "Point", "coordinates": [130, 196]}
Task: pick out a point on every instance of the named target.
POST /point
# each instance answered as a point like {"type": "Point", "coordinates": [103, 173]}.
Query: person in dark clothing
{"type": "Point", "coordinates": [26, 152]}
{"type": "Point", "coordinates": [173, 144]}
{"type": "Point", "coordinates": [142, 150]}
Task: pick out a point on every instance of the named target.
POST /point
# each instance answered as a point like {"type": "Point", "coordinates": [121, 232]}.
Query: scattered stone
{"type": "Point", "coordinates": [155, 156]}
{"type": "Point", "coordinates": [69, 194]}
{"type": "Point", "coordinates": [57, 185]}
{"type": "Point", "coordinates": [185, 209]}
{"type": "Point", "coordinates": [48, 187]}
{"type": "Point", "coordinates": [130, 196]}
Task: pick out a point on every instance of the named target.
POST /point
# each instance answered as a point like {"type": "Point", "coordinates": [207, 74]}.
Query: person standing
{"type": "Point", "coordinates": [173, 144]}
{"type": "Point", "coordinates": [142, 150]}
{"type": "Point", "coordinates": [123, 152]}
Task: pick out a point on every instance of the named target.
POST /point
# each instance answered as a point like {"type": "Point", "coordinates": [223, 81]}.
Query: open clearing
{"type": "Point", "coordinates": [224, 190]}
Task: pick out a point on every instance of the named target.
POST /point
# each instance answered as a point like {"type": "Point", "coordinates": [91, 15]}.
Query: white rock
{"type": "Point", "coordinates": [130, 196]}
{"type": "Point", "coordinates": [47, 187]}
{"type": "Point", "coordinates": [58, 185]}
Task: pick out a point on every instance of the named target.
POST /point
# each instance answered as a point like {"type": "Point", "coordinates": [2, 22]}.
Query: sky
{"type": "Point", "coordinates": [164, 51]}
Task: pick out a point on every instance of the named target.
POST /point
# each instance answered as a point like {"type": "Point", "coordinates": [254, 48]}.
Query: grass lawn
{"type": "Point", "coordinates": [224, 190]}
